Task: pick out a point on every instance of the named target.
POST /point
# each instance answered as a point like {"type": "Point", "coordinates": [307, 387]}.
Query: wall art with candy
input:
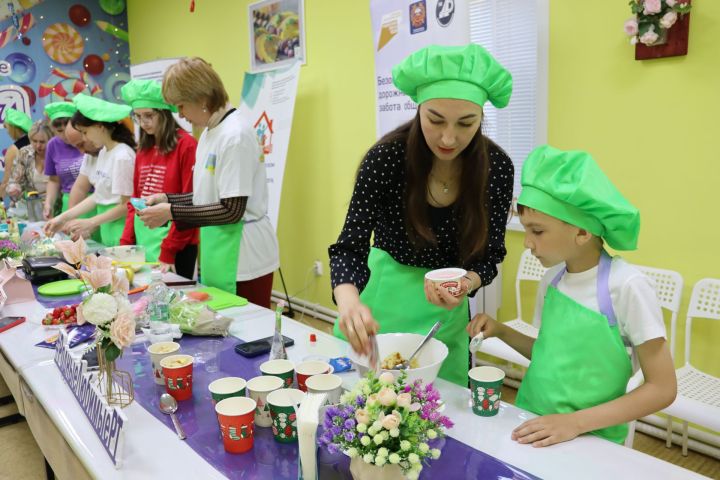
{"type": "Point", "coordinates": [51, 50]}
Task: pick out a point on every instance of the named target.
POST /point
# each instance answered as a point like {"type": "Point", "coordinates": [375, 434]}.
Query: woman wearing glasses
{"type": "Point", "coordinates": [164, 163]}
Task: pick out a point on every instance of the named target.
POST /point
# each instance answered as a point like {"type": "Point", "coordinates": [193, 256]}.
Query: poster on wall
{"type": "Point", "coordinates": [154, 70]}
{"type": "Point", "coordinates": [401, 27]}
{"type": "Point", "coordinates": [51, 50]}
{"type": "Point", "coordinates": [277, 34]}
{"type": "Point", "coordinates": [268, 102]}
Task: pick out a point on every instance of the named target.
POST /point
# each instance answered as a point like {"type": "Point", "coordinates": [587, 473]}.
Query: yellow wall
{"type": "Point", "coordinates": [650, 124]}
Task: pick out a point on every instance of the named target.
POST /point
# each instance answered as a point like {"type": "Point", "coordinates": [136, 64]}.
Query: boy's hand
{"type": "Point", "coordinates": [548, 430]}
{"type": "Point", "coordinates": [485, 324]}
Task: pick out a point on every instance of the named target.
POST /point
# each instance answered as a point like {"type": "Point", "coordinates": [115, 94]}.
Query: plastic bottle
{"type": "Point", "coordinates": [158, 309]}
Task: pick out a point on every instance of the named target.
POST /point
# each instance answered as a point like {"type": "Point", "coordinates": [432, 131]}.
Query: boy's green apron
{"type": "Point", "coordinates": [579, 359]}
{"type": "Point", "coordinates": [110, 232]}
{"type": "Point", "coordinates": [150, 238]}
{"type": "Point", "coordinates": [219, 254]}
{"type": "Point", "coordinates": [396, 296]}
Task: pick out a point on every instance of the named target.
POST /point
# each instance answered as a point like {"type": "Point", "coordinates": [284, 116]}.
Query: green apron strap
{"type": "Point", "coordinates": [110, 232]}
{"type": "Point", "coordinates": [395, 295]}
{"type": "Point", "coordinates": [219, 254]}
{"type": "Point", "coordinates": [578, 361]}
{"type": "Point", "coordinates": [150, 238]}
{"type": "Point", "coordinates": [65, 202]}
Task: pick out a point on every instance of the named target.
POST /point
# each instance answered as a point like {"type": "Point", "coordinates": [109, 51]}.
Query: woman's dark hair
{"type": "Point", "coordinates": [60, 122]}
{"type": "Point", "coordinates": [166, 134]}
{"type": "Point", "coordinates": [118, 131]}
{"type": "Point", "coordinates": [470, 208]}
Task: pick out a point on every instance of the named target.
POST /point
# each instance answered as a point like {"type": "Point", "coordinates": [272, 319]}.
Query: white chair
{"type": "Point", "coordinates": [669, 286]}
{"type": "Point", "coordinates": [698, 398]}
{"type": "Point", "coordinates": [529, 269]}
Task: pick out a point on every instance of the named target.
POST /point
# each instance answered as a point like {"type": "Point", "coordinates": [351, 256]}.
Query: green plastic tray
{"type": "Point", "coordinates": [61, 288]}
{"type": "Point", "coordinates": [220, 299]}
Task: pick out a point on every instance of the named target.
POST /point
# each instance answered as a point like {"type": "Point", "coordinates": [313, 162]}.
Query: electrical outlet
{"type": "Point", "coordinates": [317, 268]}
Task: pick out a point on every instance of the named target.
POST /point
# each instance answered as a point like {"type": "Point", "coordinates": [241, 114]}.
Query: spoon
{"type": "Point", "coordinates": [169, 406]}
{"type": "Point", "coordinates": [406, 364]}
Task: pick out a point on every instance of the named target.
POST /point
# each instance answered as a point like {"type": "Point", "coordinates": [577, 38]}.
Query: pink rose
{"type": "Point", "coordinates": [120, 283]}
{"type": "Point", "coordinates": [387, 396]}
{"type": "Point", "coordinates": [404, 400]}
{"type": "Point", "coordinates": [631, 27]}
{"type": "Point", "coordinates": [652, 7]}
{"type": "Point", "coordinates": [669, 19]}
{"type": "Point", "coordinates": [670, 3]}
{"type": "Point", "coordinates": [387, 378]}
{"type": "Point", "coordinates": [649, 37]}
{"type": "Point", "coordinates": [122, 330]}
{"type": "Point", "coordinates": [66, 269]}
{"type": "Point", "coordinates": [93, 261]}
{"type": "Point", "coordinates": [372, 399]}
{"type": "Point", "coordinates": [362, 416]}
{"type": "Point", "coordinates": [390, 422]}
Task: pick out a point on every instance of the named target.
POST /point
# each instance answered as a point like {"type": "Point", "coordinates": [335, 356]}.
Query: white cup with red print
{"type": "Point", "coordinates": [448, 278]}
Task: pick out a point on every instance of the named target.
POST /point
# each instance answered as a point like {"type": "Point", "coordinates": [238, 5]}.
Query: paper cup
{"type": "Point", "coordinates": [158, 351]}
{"type": "Point", "coordinates": [283, 411]}
{"type": "Point", "coordinates": [448, 278]}
{"type": "Point", "coordinates": [235, 416]}
{"type": "Point", "coordinates": [227, 387]}
{"type": "Point", "coordinates": [485, 383]}
{"type": "Point", "coordinates": [177, 370]}
{"type": "Point", "coordinates": [258, 389]}
{"type": "Point", "coordinates": [306, 370]}
{"type": "Point", "coordinates": [284, 369]}
{"type": "Point", "coordinates": [326, 383]}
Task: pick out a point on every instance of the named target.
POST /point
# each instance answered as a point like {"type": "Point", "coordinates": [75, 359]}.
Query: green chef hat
{"type": "Point", "coordinates": [100, 110]}
{"type": "Point", "coordinates": [464, 73]}
{"type": "Point", "coordinates": [570, 186]}
{"type": "Point", "coordinates": [57, 110]}
{"type": "Point", "coordinates": [18, 119]}
{"type": "Point", "coordinates": [145, 94]}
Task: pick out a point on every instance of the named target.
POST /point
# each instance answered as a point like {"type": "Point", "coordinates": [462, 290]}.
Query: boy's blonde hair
{"type": "Point", "coordinates": [192, 79]}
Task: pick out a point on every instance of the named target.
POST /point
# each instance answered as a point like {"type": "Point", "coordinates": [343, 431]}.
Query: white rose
{"type": "Point", "coordinates": [352, 452]}
{"type": "Point", "coordinates": [368, 458]}
{"type": "Point", "coordinates": [394, 458]}
{"type": "Point", "coordinates": [100, 308]}
{"type": "Point", "coordinates": [405, 445]}
{"type": "Point", "coordinates": [365, 441]}
{"type": "Point", "coordinates": [431, 434]}
{"type": "Point", "coordinates": [412, 475]}
{"type": "Point", "coordinates": [395, 432]}
{"type": "Point", "coordinates": [413, 458]}
{"type": "Point", "coordinates": [435, 452]}
{"type": "Point", "coordinates": [380, 461]}
{"type": "Point", "coordinates": [378, 439]}
{"type": "Point", "coordinates": [387, 378]}
{"type": "Point", "coordinates": [424, 447]}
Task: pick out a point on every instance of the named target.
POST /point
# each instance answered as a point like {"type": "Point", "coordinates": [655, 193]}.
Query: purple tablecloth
{"type": "Point", "coordinates": [269, 459]}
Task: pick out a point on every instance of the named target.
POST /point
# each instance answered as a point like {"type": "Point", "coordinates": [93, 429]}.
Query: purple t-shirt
{"type": "Point", "coordinates": [64, 161]}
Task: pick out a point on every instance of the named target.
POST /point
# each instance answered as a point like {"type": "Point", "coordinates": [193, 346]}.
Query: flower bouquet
{"type": "Point", "coordinates": [105, 305]}
{"type": "Point", "coordinates": [9, 249]}
{"type": "Point", "coordinates": [652, 19]}
{"type": "Point", "coordinates": [385, 426]}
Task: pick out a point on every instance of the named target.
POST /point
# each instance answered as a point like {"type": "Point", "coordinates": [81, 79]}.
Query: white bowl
{"type": "Point", "coordinates": [430, 358]}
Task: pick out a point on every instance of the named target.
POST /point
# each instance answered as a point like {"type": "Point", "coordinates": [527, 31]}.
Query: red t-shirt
{"type": "Point", "coordinates": [170, 173]}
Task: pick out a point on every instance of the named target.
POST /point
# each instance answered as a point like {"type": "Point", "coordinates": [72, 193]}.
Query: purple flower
{"type": "Point", "coordinates": [360, 401]}
{"type": "Point", "coordinates": [349, 436]}
{"type": "Point", "coordinates": [335, 430]}
{"type": "Point", "coordinates": [350, 424]}
{"type": "Point", "coordinates": [333, 448]}
{"type": "Point", "coordinates": [332, 411]}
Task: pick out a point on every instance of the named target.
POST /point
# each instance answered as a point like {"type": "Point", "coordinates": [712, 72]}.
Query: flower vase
{"type": "Point", "coordinates": [116, 385]}
{"type": "Point", "coordinates": [366, 471]}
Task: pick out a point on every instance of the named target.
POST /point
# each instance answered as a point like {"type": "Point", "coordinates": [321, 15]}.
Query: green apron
{"type": "Point", "coordinates": [150, 238]}
{"type": "Point", "coordinates": [395, 295]}
{"type": "Point", "coordinates": [65, 205]}
{"type": "Point", "coordinates": [110, 232]}
{"type": "Point", "coordinates": [219, 254]}
{"type": "Point", "coordinates": [579, 359]}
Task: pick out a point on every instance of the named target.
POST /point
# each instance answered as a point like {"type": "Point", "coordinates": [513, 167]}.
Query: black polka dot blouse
{"type": "Point", "coordinates": [377, 207]}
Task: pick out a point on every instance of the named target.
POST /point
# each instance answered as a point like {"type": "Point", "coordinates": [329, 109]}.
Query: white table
{"type": "Point", "coordinates": [153, 451]}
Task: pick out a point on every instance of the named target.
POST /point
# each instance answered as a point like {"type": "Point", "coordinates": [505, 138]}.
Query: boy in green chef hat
{"type": "Point", "coordinates": [591, 305]}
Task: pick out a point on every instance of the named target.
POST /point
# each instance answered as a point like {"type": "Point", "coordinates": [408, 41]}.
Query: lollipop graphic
{"type": "Point", "coordinates": [62, 85]}
{"type": "Point", "coordinates": [63, 43]}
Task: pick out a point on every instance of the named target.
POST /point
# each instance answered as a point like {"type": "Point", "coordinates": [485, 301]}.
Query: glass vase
{"type": "Point", "coordinates": [116, 385]}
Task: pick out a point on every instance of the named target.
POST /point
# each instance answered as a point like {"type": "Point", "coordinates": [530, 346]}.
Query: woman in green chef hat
{"type": "Point", "coordinates": [591, 305]}
{"type": "Point", "coordinates": [435, 193]}
{"type": "Point", "coordinates": [17, 125]}
{"type": "Point", "coordinates": [111, 174]}
{"type": "Point", "coordinates": [62, 160]}
{"type": "Point", "coordinates": [164, 163]}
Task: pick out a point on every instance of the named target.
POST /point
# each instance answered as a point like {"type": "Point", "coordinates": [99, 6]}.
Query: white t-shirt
{"type": "Point", "coordinates": [228, 165]}
{"type": "Point", "coordinates": [633, 296]}
{"type": "Point", "coordinates": [110, 173]}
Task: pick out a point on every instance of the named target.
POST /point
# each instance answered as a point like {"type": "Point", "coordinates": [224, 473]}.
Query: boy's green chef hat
{"type": "Point", "coordinates": [570, 186]}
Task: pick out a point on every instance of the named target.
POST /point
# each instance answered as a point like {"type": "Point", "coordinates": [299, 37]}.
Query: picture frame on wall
{"type": "Point", "coordinates": [277, 34]}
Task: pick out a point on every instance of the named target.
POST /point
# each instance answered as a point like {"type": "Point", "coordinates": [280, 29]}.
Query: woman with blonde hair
{"type": "Point", "coordinates": [28, 173]}
{"type": "Point", "coordinates": [238, 245]}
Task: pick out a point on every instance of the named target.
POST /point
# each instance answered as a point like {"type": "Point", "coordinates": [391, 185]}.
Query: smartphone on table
{"type": "Point", "coordinates": [7, 323]}
{"type": "Point", "coordinates": [258, 347]}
